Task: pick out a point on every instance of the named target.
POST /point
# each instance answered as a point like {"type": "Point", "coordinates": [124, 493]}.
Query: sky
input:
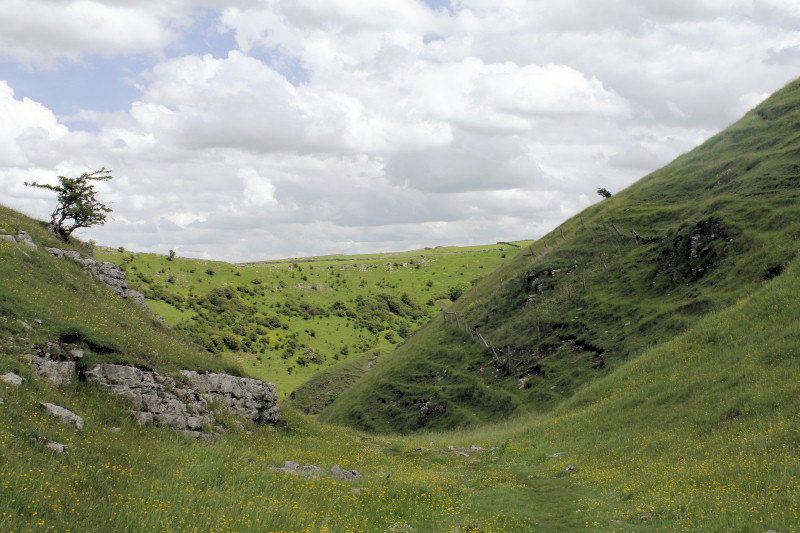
{"type": "Point", "coordinates": [242, 130]}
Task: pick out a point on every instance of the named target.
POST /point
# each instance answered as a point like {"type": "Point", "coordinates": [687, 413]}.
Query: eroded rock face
{"type": "Point", "coordinates": [160, 398]}
{"type": "Point", "coordinates": [252, 398]}
{"type": "Point", "coordinates": [185, 408]}
{"type": "Point", "coordinates": [56, 372]}
{"type": "Point", "coordinates": [108, 273]}
{"type": "Point", "coordinates": [155, 396]}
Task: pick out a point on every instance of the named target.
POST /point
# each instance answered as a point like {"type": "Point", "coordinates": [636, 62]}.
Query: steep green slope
{"type": "Point", "coordinates": [626, 274]}
{"type": "Point", "coordinates": [44, 299]}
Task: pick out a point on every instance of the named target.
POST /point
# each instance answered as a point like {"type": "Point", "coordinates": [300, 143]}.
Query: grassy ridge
{"type": "Point", "coordinates": [627, 274]}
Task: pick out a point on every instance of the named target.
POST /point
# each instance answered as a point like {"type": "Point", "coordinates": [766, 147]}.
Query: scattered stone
{"type": "Point", "coordinates": [24, 324]}
{"type": "Point", "coordinates": [37, 321]}
{"type": "Point", "coordinates": [12, 379]}
{"type": "Point", "coordinates": [472, 449]}
{"type": "Point", "coordinates": [56, 447]}
{"type": "Point", "coordinates": [475, 461]}
{"type": "Point", "coordinates": [309, 470]}
{"type": "Point", "coordinates": [431, 444]}
{"type": "Point", "coordinates": [25, 239]}
{"type": "Point", "coordinates": [557, 454]}
{"type": "Point", "coordinates": [645, 515]}
{"type": "Point", "coordinates": [198, 435]}
{"type": "Point", "coordinates": [347, 475]}
{"type": "Point", "coordinates": [569, 468]}
{"type": "Point", "coordinates": [65, 415]}
{"type": "Point", "coordinates": [292, 467]}
{"type": "Point", "coordinates": [8, 238]}
{"type": "Point", "coordinates": [1, 400]}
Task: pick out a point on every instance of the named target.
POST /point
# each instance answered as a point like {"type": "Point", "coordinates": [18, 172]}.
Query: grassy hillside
{"type": "Point", "coordinates": [288, 319]}
{"type": "Point", "coordinates": [638, 383]}
{"type": "Point", "coordinates": [70, 306]}
{"type": "Point", "coordinates": [699, 433]}
{"type": "Point", "coordinates": [627, 274]}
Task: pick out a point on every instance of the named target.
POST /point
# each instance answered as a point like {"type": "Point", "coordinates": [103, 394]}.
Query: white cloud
{"type": "Point", "coordinates": [42, 31]}
{"type": "Point", "coordinates": [345, 125]}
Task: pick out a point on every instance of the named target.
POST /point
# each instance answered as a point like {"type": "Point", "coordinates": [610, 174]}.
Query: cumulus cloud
{"type": "Point", "coordinates": [351, 126]}
{"type": "Point", "coordinates": [42, 31]}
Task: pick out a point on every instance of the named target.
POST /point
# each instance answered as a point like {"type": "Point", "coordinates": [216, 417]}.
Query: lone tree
{"type": "Point", "coordinates": [77, 205]}
{"type": "Point", "coordinates": [602, 191]}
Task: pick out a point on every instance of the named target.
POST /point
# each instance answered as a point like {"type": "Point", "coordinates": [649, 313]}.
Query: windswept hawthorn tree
{"type": "Point", "coordinates": [77, 205]}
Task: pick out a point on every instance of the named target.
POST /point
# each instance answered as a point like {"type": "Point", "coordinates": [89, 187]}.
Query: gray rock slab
{"type": "Point", "coordinates": [25, 240]}
{"type": "Point", "coordinates": [12, 379]}
{"type": "Point", "coordinates": [56, 372]}
{"type": "Point", "coordinates": [56, 446]}
{"type": "Point", "coordinates": [64, 415]}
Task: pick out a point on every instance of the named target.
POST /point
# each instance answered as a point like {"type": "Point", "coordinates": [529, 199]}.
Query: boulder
{"type": "Point", "coordinates": [56, 372]}
{"type": "Point", "coordinates": [25, 240]}
{"type": "Point", "coordinates": [12, 379]}
{"type": "Point", "coordinates": [8, 238]}
{"type": "Point", "coordinates": [347, 475]}
{"type": "Point", "coordinates": [65, 415]}
{"type": "Point", "coordinates": [56, 363]}
{"type": "Point", "coordinates": [292, 467]}
{"type": "Point", "coordinates": [56, 447]}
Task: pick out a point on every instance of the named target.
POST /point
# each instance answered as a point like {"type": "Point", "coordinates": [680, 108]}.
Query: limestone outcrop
{"type": "Point", "coordinates": [108, 273]}
{"type": "Point", "coordinates": [254, 399]}
{"type": "Point", "coordinates": [181, 403]}
{"type": "Point", "coordinates": [162, 398]}
{"type": "Point", "coordinates": [55, 363]}
{"type": "Point", "coordinates": [156, 397]}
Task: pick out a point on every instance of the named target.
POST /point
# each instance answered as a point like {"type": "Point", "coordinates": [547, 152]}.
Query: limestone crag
{"type": "Point", "coordinates": [155, 396]}
{"type": "Point", "coordinates": [56, 363]}
{"type": "Point", "coordinates": [252, 398]}
{"type": "Point", "coordinates": [108, 273]}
